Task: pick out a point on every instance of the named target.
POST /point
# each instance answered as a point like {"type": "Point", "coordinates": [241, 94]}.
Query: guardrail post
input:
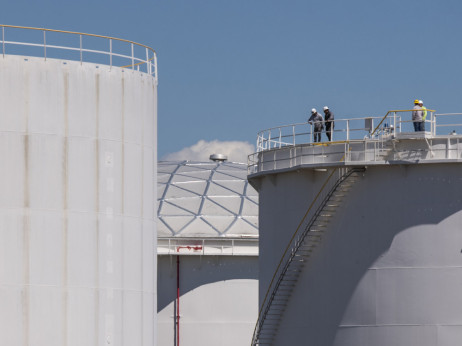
{"type": "Point", "coordinates": [293, 134]}
{"type": "Point", "coordinates": [280, 138]}
{"type": "Point", "coordinates": [394, 124]}
{"type": "Point", "coordinates": [110, 53]}
{"type": "Point", "coordinates": [81, 55]}
{"type": "Point", "coordinates": [348, 130]}
{"type": "Point", "coordinates": [148, 67]}
{"type": "Point", "coordinates": [155, 66]}
{"type": "Point", "coordinates": [44, 45]}
{"type": "Point", "coordinates": [3, 40]}
{"type": "Point", "coordinates": [133, 57]}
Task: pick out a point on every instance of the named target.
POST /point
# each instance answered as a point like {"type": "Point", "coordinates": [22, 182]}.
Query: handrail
{"type": "Point", "coordinates": [76, 33]}
{"type": "Point", "coordinates": [396, 111]}
{"type": "Point", "coordinates": [150, 59]}
{"type": "Point", "coordinates": [344, 129]}
{"type": "Point", "coordinates": [288, 247]}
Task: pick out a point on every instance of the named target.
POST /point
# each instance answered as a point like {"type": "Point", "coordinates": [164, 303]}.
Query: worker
{"type": "Point", "coordinates": [329, 121]}
{"type": "Point", "coordinates": [417, 115]}
{"type": "Point", "coordinates": [424, 110]}
{"type": "Point", "coordinates": [317, 121]}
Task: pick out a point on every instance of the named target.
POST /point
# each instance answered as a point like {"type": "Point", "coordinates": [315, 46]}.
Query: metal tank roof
{"type": "Point", "coordinates": [205, 200]}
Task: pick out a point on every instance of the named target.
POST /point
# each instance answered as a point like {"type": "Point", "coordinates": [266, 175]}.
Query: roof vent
{"type": "Point", "coordinates": [218, 157]}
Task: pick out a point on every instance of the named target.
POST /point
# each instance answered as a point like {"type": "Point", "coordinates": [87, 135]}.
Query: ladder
{"type": "Point", "coordinates": [299, 254]}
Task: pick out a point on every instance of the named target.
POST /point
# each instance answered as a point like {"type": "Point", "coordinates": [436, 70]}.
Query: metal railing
{"type": "Point", "coordinates": [351, 129]}
{"type": "Point", "coordinates": [78, 46]}
{"type": "Point", "coordinates": [247, 246]}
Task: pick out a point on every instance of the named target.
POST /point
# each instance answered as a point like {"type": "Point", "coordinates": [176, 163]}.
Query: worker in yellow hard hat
{"type": "Point", "coordinates": [424, 110]}
{"type": "Point", "coordinates": [417, 115]}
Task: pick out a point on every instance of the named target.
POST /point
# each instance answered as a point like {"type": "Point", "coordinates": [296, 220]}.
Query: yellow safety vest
{"type": "Point", "coordinates": [424, 112]}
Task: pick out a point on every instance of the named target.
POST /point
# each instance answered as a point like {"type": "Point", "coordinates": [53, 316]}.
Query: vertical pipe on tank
{"type": "Point", "coordinates": [177, 300]}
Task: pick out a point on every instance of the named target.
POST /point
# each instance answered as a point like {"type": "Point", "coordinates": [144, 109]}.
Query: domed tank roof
{"type": "Point", "coordinates": [205, 199]}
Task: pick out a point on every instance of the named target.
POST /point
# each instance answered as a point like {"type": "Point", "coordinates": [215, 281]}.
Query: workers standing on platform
{"type": "Point", "coordinates": [417, 115]}
{"type": "Point", "coordinates": [329, 121]}
{"type": "Point", "coordinates": [317, 121]}
{"type": "Point", "coordinates": [424, 110]}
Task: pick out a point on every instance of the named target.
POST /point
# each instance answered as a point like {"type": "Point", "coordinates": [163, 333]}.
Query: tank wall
{"type": "Point", "coordinates": [280, 212]}
{"type": "Point", "coordinates": [389, 269]}
{"type": "Point", "coordinates": [77, 231]}
{"type": "Point", "coordinates": [218, 300]}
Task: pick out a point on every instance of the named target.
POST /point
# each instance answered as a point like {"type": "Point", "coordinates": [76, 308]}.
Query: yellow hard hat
{"type": "Point", "coordinates": [416, 101]}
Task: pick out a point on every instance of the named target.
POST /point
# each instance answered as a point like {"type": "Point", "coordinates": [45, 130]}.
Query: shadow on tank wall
{"type": "Point", "coordinates": [396, 216]}
{"type": "Point", "coordinates": [196, 271]}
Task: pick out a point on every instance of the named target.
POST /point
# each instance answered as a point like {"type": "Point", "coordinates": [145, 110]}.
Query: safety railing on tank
{"type": "Point", "coordinates": [78, 46]}
{"type": "Point", "coordinates": [361, 140]}
{"type": "Point", "coordinates": [343, 130]}
{"type": "Point", "coordinates": [448, 123]}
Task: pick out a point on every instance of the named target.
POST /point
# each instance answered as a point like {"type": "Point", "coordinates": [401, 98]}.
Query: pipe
{"type": "Point", "coordinates": [177, 300]}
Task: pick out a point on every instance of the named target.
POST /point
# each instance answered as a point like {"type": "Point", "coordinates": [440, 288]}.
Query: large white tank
{"type": "Point", "coordinates": [208, 254]}
{"type": "Point", "coordinates": [77, 230]}
{"type": "Point", "coordinates": [386, 264]}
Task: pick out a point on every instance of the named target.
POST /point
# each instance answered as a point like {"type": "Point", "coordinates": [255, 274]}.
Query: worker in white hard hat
{"type": "Point", "coordinates": [424, 116]}
{"type": "Point", "coordinates": [329, 121]}
{"type": "Point", "coordinates": [316, 121]}
{"type": "Point", "coordinates": [417, 115]}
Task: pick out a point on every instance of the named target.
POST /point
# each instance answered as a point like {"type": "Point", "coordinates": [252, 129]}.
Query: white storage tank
{"type": "Point", "coordinates": [208, 253]}
{"type": "Point", "coordinates": [77, 230]}
{"type": "Point", "coordinates": [376, 258]}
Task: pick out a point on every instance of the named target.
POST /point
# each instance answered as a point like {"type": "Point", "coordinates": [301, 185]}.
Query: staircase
{"type": "Point", "coordinates": [299, 252]}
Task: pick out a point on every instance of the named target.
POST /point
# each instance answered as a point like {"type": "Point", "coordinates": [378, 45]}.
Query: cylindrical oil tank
{"type": "Point", "coordinates": [77, 230]}
{"type": "Point", "coordinates": [208, 254]}
{"type": "Point", "coordinates": [388, 270]}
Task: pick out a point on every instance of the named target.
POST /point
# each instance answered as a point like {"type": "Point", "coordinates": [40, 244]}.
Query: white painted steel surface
{"type": "Point", "coordinates": [208, 217]}
{"type": "Point", "coordinates": [77, 231]}
{"type": "Point", "coordinates": [218, 303]}
{"type": "Point", "coordinates": [389, 269]}
{"type": "Point", "coordinates": [206, 200]}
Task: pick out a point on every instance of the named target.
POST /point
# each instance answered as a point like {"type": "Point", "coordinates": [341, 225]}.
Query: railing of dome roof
{"type": "Point", "coordinates": [20, 40]}
{"type": "Point", "coordinates": [208, 246]}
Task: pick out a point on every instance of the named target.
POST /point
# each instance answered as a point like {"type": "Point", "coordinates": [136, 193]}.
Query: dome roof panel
{"type": "Point", "coordinates": [163, 178]}
{"type": "Point", "coordinates": [195, 187]}
{"type": "Point", "coordinates": [241, 227]}
{"type": "Point", "coordinates": [179, 191]}
{"type": "Point", "coordinates": [209, 199]}
{"type": "Point", "coordinates": [249, 207]}
{"type": "Point", "coordinates": [224, 188]}
{"type": "Point", "coordinates": [220, 224]}
{"type": "Point", "coordinates": [200, 228]}
{"type": "Point", "coordinates": [177, 223]}
{"type": "Point", "coordinates": [230, 175]}
{"type": "Point", "coordinates": [163, 230]}
{"type": "Point", "coordinates": [211, 207]}
{"type": "Point", "coordinates": [188, 206]}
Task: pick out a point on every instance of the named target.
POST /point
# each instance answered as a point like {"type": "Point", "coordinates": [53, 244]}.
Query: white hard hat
{"type": "Point", "coordinates": [313, 110]}
{"type": "Point", "coordinates": [420, 101]}
{"type": "Point", "coordinates": [326, 108]}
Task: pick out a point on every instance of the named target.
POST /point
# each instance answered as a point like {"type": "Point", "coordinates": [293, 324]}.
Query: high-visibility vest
{"type": "Point", "coordinates": [424, 112]}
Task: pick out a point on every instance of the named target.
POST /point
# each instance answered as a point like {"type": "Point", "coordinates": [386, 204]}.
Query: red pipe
{"type": "Point", "coordinates": [177, 300]}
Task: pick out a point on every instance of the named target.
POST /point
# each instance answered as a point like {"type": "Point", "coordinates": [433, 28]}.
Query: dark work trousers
{"type": "Point", "coordinates": [329, 129]}
{"type": "Point", "coordinates": [317, 135]}
{"type": "Point", "coordinates": [419, 126]}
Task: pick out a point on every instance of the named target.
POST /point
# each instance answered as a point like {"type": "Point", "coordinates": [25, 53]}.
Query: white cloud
{"type": "Point", "coordinates": [201, 151]}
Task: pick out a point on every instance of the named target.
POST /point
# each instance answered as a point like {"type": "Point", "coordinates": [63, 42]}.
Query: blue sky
{"type": "Point", "coordinates": [228, 69]}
